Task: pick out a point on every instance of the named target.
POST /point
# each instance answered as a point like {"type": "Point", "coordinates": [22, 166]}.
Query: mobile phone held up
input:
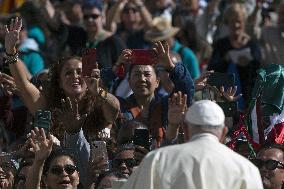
{"type": "Point", "coordinates": [141, 138]}
{"type": "Point", "coordinates": [89, 59]}
{"type": "Point", "coordinates": [229, 108]}
{"type": "Point", "coordinates": [221, 79]}
{"type": "Point", "coordinates": [99, 151]}
{"type": "Point", "coordinates": [42, 120]}
{"type": "Point", "coordinates": [144, 57]}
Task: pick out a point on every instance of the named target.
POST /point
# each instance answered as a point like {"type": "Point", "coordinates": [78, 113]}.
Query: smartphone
{"type": "Point", "coordinates": [221, 79]}
{"type": "Point", "coordinates": [144, 57]}
{"type": "Point", "coordinates": [229, 108]}
{"type": "Point", "coordinates": [43, 120]}
{"type": "Point", "coordinates": [89, 59]}
{"type": "Point", "coordinates": [99, 150]}
{"type": "Point", "coordinates": [141, 138]}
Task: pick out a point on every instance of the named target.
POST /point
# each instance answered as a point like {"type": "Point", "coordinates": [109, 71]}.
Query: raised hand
{"type": "Point", "coordinates": [230, 93]}
{"type": "Point", "coordinates": [69, 116]}
{"type": "Point", "coordinates": [201, 82]}
{"type": "Point", "coordinates": [177, 107]}
{"type": "Point", "coordinates": [8, 85]}
{"type": "Point", "coordinates": [94, 81]}
{"type": "Point", "coordinates": [163, 52]}
{"type": "Point", "coordinates": [124, 58]}
{"type": "Point", "coordinates": [41, 145]}
{"type": "Point", "coordinates": [12, 35]}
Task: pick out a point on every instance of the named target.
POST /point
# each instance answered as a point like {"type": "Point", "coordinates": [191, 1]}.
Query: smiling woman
{"type": "Point", "coordinates": [65, 93]}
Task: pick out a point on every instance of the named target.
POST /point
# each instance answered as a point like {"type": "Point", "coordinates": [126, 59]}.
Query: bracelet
{"type": "Point", "coordinates": [11, 59]}
{"type": "Point", "coordinates": [103, 94]}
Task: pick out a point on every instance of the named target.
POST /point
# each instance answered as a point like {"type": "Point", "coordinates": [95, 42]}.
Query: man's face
{"type": "Point", "coordinates": [143, 80]}
{"type": "Point", "coordinates": [124, 162]}
{"type": "Point", "coordinates": [92, 19]}
{"type": "Point", "coordinates": [272, 179]}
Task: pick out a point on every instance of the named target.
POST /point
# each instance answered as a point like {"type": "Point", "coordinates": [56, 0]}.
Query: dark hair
{"type": "Point", "coordinates": [58, 153]}
{"type": "Point", "coordinates": [272, 146]}
{"type": "Point", "coordinates": [133, 65]}
{"type": "Point", "coordinates": [54, 92]}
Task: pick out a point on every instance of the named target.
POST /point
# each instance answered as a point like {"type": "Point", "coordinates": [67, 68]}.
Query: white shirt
{"type": "Point", "coordinates": [202, 163]}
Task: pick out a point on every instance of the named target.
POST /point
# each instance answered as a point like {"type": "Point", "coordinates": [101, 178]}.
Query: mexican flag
{"type": "Point", "coordinates": [265, 120]}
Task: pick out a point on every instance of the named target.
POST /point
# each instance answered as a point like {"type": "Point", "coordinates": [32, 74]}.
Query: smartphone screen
{"type": "Point", "coordinates": [89, 59]}
{"type": "Point", "coordinates": [43, 120]}
{"type": "Point", "coordinates": [221, 79]}
{"type": "Point", "coordinates": [144, 57]}
{"type": "Point", "coordinates": [141, 138]}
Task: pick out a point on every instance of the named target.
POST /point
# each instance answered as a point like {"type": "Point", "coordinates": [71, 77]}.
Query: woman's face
{"type": "Point", "coordinates": [236, 24]}
{"type": "Point", "coordinates": [61, 174]}
{"type": "Point", "coordinates": [92, 19]}
{"type": "Point", "coordinates": [71, 79]}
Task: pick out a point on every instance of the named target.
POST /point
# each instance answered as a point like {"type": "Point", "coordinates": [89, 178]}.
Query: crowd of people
{"type": "Point", "coordinates": [141, 94]}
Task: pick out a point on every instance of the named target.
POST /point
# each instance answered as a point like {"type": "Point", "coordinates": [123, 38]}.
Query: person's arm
{"type": "Point", "coordinates": [41, 146]}
{"type": "Point", "coordinates": [32, 97]}
{"type": "Point", "coordinates": [178, 73]}
{"type": "Point", "coordinates": [109, 103]}
{"type": "Point", "coordinates": [145, 14]}
{"type": "Point", "coordinates": [80, 146]}
{"type": "Point", "coordinates": [113, 15]}
{"type": "Point", "coordinates": [50, 14]}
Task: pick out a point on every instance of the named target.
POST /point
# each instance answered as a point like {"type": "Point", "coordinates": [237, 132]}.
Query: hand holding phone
{"type": "Point", "coordinates": [99, 151]}
{"type": "Point", "coordinates": [42, 120]}
{"type": "Point", "coordinates": [89, 59]}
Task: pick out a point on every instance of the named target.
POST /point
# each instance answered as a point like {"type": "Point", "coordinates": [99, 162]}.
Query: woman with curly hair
{"type": "Point", "coordinates": [79, 102]}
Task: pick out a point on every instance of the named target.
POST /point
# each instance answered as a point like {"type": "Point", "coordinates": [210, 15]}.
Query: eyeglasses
{"type": "Point", "coordinates": [58, 170]}
{"type": "Point", "coordinates": [93, 16]}
{"type": "Point", "coordinates": [130, 162]}
{"type": "Point", "coordinates": [269, 164]}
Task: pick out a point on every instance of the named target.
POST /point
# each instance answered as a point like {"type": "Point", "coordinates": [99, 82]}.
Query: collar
{"type": "Point", "coordinates": [204, 135]}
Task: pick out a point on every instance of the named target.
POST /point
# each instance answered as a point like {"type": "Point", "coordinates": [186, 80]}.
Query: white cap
{"type": "Point", "coordinates": [205, 113]}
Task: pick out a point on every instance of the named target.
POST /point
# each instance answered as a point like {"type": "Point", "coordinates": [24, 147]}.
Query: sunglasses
{"type": "Point", "coordinates": [269, 164]}
{"type": "Point", "coordinates": [130, 162]}
{"type": "Point", "coordinates": [58, 170]}
{"type": "Point", "coordinates": [93, 16]}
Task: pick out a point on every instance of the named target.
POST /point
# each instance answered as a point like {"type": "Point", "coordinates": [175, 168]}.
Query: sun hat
{"type": "Point", "coordinates": [160, 30]}
{"type": "Point", "coordinates": [205, 113]}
